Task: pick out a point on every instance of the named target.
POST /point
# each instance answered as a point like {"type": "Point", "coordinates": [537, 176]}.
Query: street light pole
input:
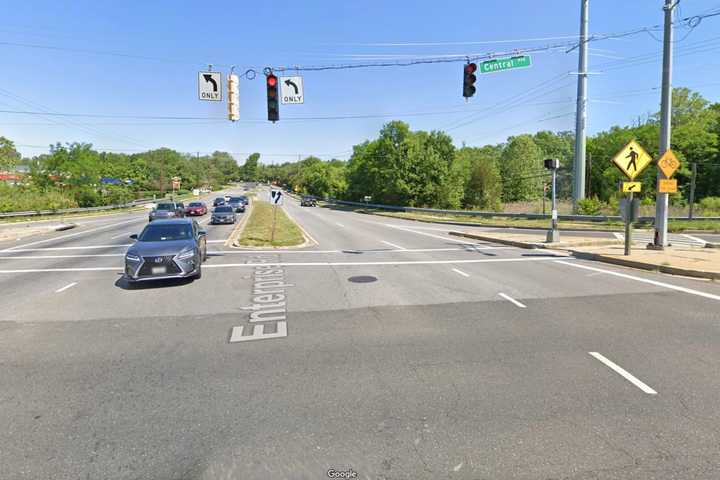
{"type": "Point", "coordinates": [661, 200]}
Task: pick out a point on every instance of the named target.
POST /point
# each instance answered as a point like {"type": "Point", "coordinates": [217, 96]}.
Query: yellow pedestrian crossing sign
{"type": "Point", "coordinates": [632, 159]}
{"type": "Point", "coordinates": [631, 187]}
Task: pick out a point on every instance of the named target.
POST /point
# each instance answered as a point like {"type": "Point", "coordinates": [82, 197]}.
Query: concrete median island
{"type": "Point", "coordinates": [256, 230]}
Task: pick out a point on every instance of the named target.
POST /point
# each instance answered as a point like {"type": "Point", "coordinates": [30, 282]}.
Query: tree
{"type": "Point", "coordinates": [521, 169]}
{"type": "Point", "coordinates": [480, 175]}
{"type": "Point", "coordinates": [9, 157]}
{"type": "Point", "coordinates": [250, 168]}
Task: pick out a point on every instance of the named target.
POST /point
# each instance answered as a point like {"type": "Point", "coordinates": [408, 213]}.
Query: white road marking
{"type": "Point", "coordinates": [448, 239]}
{"type": "Point", "coordinates": [460, 272]}
{"type": "Point", "coordinates": [644, 280]}
{"type": "Point", "coordinates": [56, 249]}
{"type": "Point", "coordinates": [695, 239]}
{"type": "Point", "coordinates": [619, 236]}
{"type": "Point", "coordinates": [510, 299]}
{"type": "Point", "coordinates": [124, 234]}
{"type": "Point", "coordinates": [69, 285]}
{"type": "Point", "coordinates": [216, 241]}
{"type": "Point", "coordinates": [40, 257]}
{"type": "Point", "coordinates": [298, 264]}
{"type": "Point", "coordinates": [258, 333]}
{"type": "Point", "coordinates": [70, 235]}
{"type": "Point", "coordinates": [393, 245]}
{"type": "Point", "coordinates": [627, 375]}
{"type": "Point", "coordinates": [339, 224]}
{"type": "Point", "coordinates": [204, 221]}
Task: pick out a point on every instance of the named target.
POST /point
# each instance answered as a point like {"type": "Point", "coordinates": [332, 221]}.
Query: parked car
{"type": "Point", "coordinates": [196, 208]}
{"type": "Point", "coordinates": [237, 204]}
{"type": "Point", "coordinates": [223, 214]}
{"type": "Point", "coordinates": [218, 201]}
{"type": "Point", "coordinates": [308, 201]}
{"type": "Point", "coordinates": [173, 248]}
{"type": "Point", "coordinates": [165, 210]}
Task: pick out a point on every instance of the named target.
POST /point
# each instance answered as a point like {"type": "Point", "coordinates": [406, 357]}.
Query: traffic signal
{"type": "Point", "coordinates": [233, 97]}
{"type": "Point", "coordinates": [273, 99]}
{"type": "Point", "coordinates": [469, 80]}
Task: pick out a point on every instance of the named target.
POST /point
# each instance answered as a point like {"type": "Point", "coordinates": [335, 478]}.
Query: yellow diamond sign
{"type": "Point", "coordinates": [632, 160]}
{"type": "Point", "coordinates": [668, 163]}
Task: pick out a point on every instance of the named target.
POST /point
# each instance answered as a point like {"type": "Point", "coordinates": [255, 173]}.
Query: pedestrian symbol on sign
{"type": "Point", "coordinates": [633, 157]}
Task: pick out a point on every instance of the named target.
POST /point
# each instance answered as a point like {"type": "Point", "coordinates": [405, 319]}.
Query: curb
{"type": "Point", "coordinates": [599, 257]}
{"type": "Point", "coordinates": [237, 231]}
{"type": "Point", "coordinates": [64, 226]}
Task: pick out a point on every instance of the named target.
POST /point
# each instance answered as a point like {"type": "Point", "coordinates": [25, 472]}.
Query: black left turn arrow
{"type": "Point", "coordinates": [208, 78]}
{"type": "Point", "coordinates": [290, 83]}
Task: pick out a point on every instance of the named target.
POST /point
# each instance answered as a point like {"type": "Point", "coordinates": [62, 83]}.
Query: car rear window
{"type": "Point", "coordinates": [167, 232]}
{"type": "Point", "coordinates": [223, 210]}
{"type": "Point", "coordinates": [195, 204]}
{"type": "Point", "coordinates": [165, 206]}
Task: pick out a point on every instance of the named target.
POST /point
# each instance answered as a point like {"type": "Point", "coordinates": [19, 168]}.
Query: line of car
{"type": "Point", "coordinates": [172, 245]}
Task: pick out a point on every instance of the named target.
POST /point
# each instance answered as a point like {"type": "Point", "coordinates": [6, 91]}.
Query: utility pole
{"type": "Point", "coordinates": [661, 200]}
{"type": "Point", "coordinates": [581, 110]}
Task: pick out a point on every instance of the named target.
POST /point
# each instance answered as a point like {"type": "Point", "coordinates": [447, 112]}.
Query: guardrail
{"type": "Point", "coordinates": [529, 216]}
{"type": "Point", "coordinates": [63, 211]}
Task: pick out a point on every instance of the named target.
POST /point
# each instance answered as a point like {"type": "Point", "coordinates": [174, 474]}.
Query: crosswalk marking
{"type": "Point", "coordinates": [681, 239]}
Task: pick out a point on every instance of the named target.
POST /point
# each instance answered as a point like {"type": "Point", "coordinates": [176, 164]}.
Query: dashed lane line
{"type": "Point", "coordinates": [460, 272]}
{"type": "Point", "coordinates": [339, 224]}
{"type": "Point", "coordinates": [642, 280]}
{"type": "Point", "coordinates": [393, 245]}
{"type": "Point", "coordinates": [69, 285]}
{"type": "Point", "coordinates": [624, 373]}
{"type": "Point", "coordinates": [124, 234]}
{"type": "Point", "coordinates": [512, 300]}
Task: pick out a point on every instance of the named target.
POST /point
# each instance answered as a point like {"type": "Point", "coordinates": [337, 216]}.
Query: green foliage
{"type": "Point", "coordinates": [250, 168]}
{"type": "Point", "coordinates": [710, 206]}
{"type": "Point", "coordinates": [478, 169]}
{"type": "Point", "coordinates": [8, 155]}
{"type": "Point", "coordinates": [21, 199]}
{"type": "Point", "coordinates": [521, 168]}
{"type": "Point", "coordinates": [590, 206]}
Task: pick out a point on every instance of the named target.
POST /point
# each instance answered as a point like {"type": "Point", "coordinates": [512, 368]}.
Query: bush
{"type": "Point", "coordinates": [21, 199]}
{"type": "Point", "coordinates": [88, 197]}
{"type": "Point", "coordinates": [710, 206]}
{"type": "Point", "coordinates": [590, 206]}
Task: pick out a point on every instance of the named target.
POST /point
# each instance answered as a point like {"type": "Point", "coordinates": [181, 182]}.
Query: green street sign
{"type": "Point", "coordinates": [498, 64]}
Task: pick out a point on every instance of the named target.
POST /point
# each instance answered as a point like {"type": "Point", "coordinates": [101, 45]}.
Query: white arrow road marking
{"type": "Point", "coordinates": [695, 239]}
{"type": "Point", "coordinates": [510, 299]}
{"type": "Point", "coordinates": [644, 280]}
{"type": "Point", "coordinates": [625, 374]}
{"type": "Point", "coordinates": [393, 245]}
{"type": "Point", "coordinates": [69, 285]}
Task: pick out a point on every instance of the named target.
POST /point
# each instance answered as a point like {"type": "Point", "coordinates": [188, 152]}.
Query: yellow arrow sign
{"type": "Point", "coordinates": [667, 185]}
{"type": "Point", "coordinates": [668, 163]}
{"type": "Point", "coordinates": [632, 159]}
{"type": "Point", "coordinates": [628, 187]}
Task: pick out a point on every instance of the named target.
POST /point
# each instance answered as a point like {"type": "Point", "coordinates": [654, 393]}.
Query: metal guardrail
{"type": "Point", "coordinates": [63, 211]}
{"type": "Point", "coordinates": [529, 216]}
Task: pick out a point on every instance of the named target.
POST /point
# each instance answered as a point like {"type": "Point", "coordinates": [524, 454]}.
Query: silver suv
{"type": "Point", "coordinates": [166, 210]}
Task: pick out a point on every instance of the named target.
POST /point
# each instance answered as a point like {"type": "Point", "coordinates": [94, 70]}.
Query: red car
{"type": "Point", "coordinates": [196, 208]}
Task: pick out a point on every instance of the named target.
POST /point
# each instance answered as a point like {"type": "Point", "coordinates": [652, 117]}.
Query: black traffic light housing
{"type": "Point", "coordinates": [469, 79]}
{"type": "Point", "coordinates": [273, 99]}
{"type": "Point", "coordinates": [552, 163]}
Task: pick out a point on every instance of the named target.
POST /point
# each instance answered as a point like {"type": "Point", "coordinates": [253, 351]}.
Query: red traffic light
{"type": "Point", "coordinates": [271, 80]}
{"type": "Point", "coordinates": [470, 68]}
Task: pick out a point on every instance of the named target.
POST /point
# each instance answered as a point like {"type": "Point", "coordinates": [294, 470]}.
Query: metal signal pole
{"type": "Point", "coordinates": [581, 110]}
{"type": "Point", "coordinates": [661, 201]}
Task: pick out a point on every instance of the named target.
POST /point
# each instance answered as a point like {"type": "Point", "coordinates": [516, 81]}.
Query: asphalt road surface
{"type": "Point", "coordinates": [388, 349]}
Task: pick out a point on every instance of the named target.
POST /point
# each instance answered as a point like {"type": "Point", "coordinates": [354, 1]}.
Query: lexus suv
{"type": "Point", "coordinates": [166, 249]}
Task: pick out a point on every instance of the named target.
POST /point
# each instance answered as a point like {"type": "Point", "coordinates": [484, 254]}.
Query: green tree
{"type": "Point", "coordinates": [250, 168]}
{"type": "Point", "coordinates": [480, 174]}
{"type": "Point", "coordinates": [521, 169]}
{"type": "Point", "coordinates": [9, 157]}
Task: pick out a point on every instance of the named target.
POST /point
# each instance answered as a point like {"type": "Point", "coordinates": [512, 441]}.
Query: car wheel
{"type": "Point", "coordinates": [198, 275]}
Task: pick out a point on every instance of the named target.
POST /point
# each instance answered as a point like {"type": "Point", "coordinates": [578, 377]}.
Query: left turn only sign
{"type": "Point", "coordinates": [210, 86]}
{"type": "Point", "coordinates": [291, 90]}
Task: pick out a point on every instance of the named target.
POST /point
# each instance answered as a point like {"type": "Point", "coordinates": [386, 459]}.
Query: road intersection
{"type": "Point", "coordinates": [403, 352]}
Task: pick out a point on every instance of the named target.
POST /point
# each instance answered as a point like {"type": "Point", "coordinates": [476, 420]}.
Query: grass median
{"type": "Point", "coordinates": [258, 230]}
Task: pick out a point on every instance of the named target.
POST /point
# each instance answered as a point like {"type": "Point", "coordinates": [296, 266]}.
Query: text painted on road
{"type": "Point", "coordinates": [269, 302]}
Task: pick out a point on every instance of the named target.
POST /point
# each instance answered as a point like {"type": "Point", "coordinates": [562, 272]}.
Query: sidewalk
{"type": "Point", "coordinates": [676, 260]}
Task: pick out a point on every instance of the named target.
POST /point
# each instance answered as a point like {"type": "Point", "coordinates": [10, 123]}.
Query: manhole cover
{"type": "Point", "coordinates": [362, 279]}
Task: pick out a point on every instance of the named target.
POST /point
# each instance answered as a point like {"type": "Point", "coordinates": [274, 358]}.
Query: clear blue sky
{"type": "Point", "coordinates": [180, 38]}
